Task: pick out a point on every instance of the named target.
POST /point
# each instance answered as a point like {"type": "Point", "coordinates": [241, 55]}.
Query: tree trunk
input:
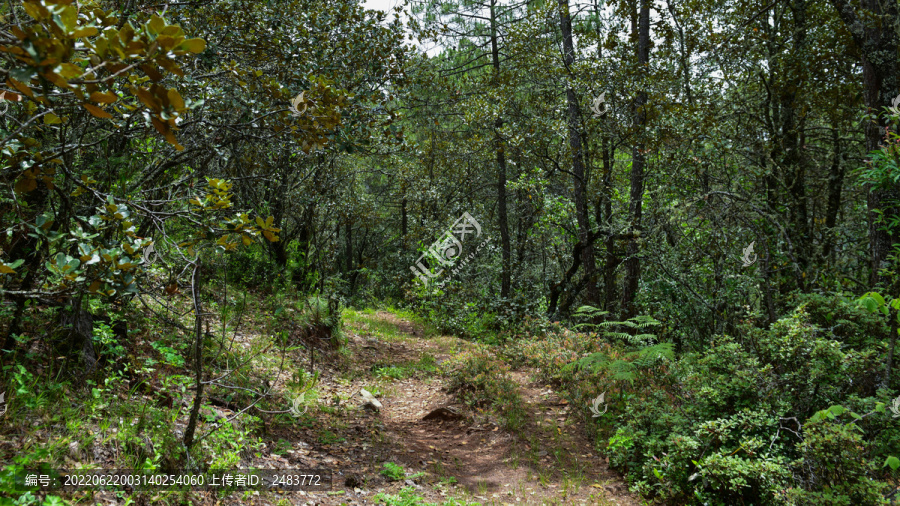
{"type": "Point", "coordinates": [633, 263]}
{"type": "Point", "coordinates": [791, 160]}
{"type": "Point", "coordinates": [578, 169]}
{"type": "Point", "coordinates": [279, 248]}
{"type": "Point", "coordinates": [502, 219]}
{"type": "Point", "coordinates": [877, 39]}
{"type": "Point", "coordinates": [404, 223]}
{"type": "Point", "coordinates": [890, 358]}
{"type": "Point", "coordinates": [612, 260]}
{"type": "Point", "coordinates": [835, 186]}
{"type": "Point", "coordinates": [198, 357]}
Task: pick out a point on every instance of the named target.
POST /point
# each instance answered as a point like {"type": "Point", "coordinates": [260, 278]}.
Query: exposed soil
{"type": "Point", "coordinates": [456, 453]}
{"type": "Point", "coordinates": [550, 461]}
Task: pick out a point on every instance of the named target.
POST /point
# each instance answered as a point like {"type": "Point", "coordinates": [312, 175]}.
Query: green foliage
{"type": "Point", "coordinates": [470, 311]}
{"type": "Point", "coordinates": [625, 368]}
{"type": "Point", "coordinates": [426, 365]}
{"type": "Point", "coordinates": [835, 462]}
{"type": "Point", "coordinates": [391, 372]}
{"type": "Point", "coordinates": [327, 437]}
{"type": "Point", "coordinates": [252, 267]}
{"type": "Point", "coordinates": [408, 497]}
{"type": "Point", "coordinates": [845, 318]}
{"type": "Point", "coordinates": [104, 339]}
{"type": "Point", "coordinates": [321, 313]}
{"type": "Point", "coordinates": [170, 356]}
{"type": "Point", "coordinates": [618, 448]}
{"type": "Point", "coordinates": [726, 424]}
{"type": "Point", "coordinates": [882, 168]}
{"type": "Point", "coordinates": [392, 471]}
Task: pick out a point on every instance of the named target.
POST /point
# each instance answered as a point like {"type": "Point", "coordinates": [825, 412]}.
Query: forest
{"type": "Point", "coordinates": [450, 252]}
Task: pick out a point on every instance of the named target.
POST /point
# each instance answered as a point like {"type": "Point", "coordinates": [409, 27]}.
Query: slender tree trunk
{"type": "Point", "coordinates": [633, 263]}
{"type": "Point", "coordinates": [612, 260]}
{"type": "Point", "coordinates": [604, 213]}
{"type": "Point", "coordinates": [876, 36]}
{"type": "Point", "coordinates": [348, 253]}
{"type": "Point", "coordinates": [682, 54]}
{"type": "Point", "coordinates": [835, 187]}
{"type": "Point", "coordinates": [502, 219]}
{"type": "Point", "coordinates": [890, 357]}
{"type": "Point", "coordinates": [198, 357]}
{"type": "Point", "coordinates": [404, 223]}
{"type": "Point", "coordinates": [578, 169]}
{"type": "Point", "coordinates": [792, 162]}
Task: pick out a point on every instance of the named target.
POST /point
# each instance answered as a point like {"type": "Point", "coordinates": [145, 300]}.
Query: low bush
{"type": "Point", "coordinates": [481, 380]}
{"type": "Point", "coordinates": [741, 421]}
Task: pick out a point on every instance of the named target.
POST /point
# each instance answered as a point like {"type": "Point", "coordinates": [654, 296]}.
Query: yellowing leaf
{"type": "Point", "coordinates": [5, 269]}
{"type": "Point", "coordinates": [35, 10]}
{"type": "Point", "coordinates": [175, 100]}
{"type": "Point", "coordinates": [21, 87]}
{"type": "Point", "coordinates": [166, 42]}
{"type": "Point", "coordinates": [87, 31]}
{"type": "Point", "coordinates": [146, 98]}
{"type": "Point", "coordinates": [156, 24]}
{"type": "Point", "coordinates": [103, 98]}
{"type": "Point", "coordinates": [96, 111]}
{"type": "Point", "coordinates": [161, 127]}
{"type": "Point", "coordinates": [51, 119]}
{"type": "Point", "coordinates": [69, 70]}
{"type": "Point", "coordinates": [193, 45]}
{"type": "Point", "coordinates": [151, 72]}
{"type": "Point", "coordinates": [25, 185]}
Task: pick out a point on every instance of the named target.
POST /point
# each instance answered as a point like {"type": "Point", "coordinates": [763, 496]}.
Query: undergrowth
{"type": "Point", "coordinates": [738, 422]}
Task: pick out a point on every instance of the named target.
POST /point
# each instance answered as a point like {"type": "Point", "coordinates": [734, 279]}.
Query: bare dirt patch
{"type": "Point", "coordinates": [464, 454]}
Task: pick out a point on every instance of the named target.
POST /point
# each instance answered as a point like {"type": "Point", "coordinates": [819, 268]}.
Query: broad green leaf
{"type": "Point", "coordinates": [870, 304]}
{"type": "Point", "coordinates": [878, 298]}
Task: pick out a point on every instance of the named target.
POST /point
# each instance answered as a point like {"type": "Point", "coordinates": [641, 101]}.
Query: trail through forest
{"type": "Point", "coordinates": [447, 451]}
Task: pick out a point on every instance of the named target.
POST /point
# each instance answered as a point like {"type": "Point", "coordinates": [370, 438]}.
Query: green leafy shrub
{"type": "Point", "coordinates": [728, 424]}
{"type": "Point", "coordinates": [834, 468]}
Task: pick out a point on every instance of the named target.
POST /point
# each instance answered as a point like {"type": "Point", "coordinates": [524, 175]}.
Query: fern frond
{"type": "Point", "coordinates": [622, 370]}
{"type": "Point", "coordinates": [644, 321]}
{"type": "Point", "coordinates": [593, 363]}
{"type": "Point", "coordinates": [626, 323]}
{"type": "Point", "coordinates": [590, 311]}
{"type": "Point", "coordinates": [648, 356]}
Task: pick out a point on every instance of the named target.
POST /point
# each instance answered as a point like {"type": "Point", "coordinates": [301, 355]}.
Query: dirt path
{"type": "Point", "coordinates": [458, 456]}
